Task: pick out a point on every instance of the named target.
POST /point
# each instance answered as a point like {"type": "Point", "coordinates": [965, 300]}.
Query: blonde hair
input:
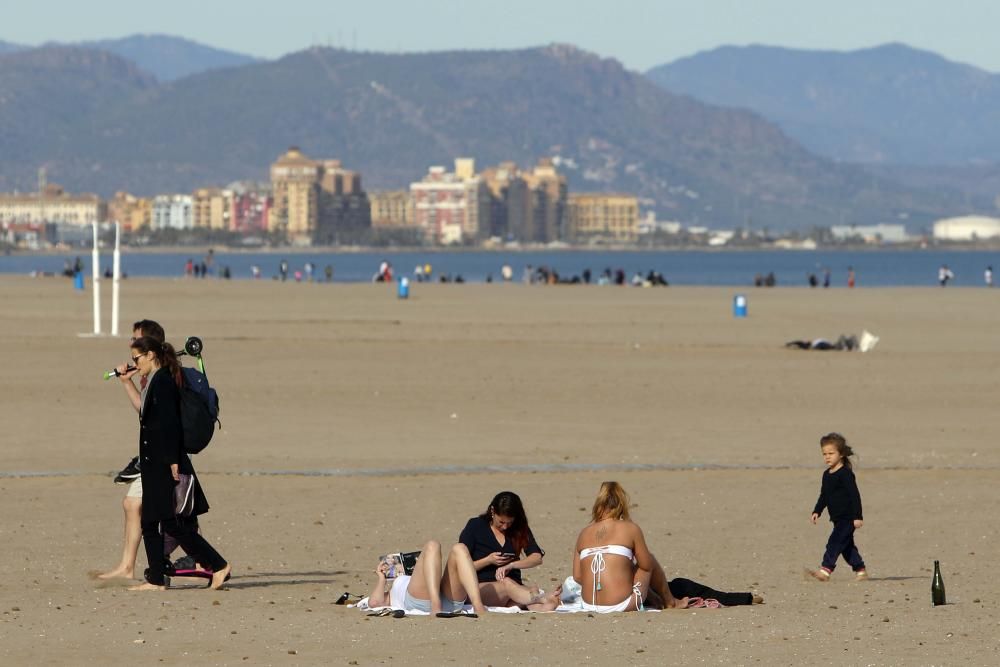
{"type": "Point", "coordinates": [611, 503]}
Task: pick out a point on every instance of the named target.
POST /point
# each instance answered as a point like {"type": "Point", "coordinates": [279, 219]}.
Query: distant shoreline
{"type": "Point", "coordinates": [200, 250]}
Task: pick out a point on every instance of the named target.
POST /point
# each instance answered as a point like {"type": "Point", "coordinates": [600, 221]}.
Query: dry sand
{"type": "Point", "coordinates": [345, 379]}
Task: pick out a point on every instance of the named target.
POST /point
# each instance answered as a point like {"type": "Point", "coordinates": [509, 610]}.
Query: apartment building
{"type": "Point", "coordinates": [392, 209]}
{"type": "Point", "coordinates": [133, 213]}
{"type": "Point", "coordinates": [251, 206]}
{"type": "Point", "coordinates": [598, 216]}
{"type": "Point", "coordinates": [52, 204]}
{"type": "Point", "coordinates": [527, 205]}
{"type": "Point", "coordinates": [172, 212]}
{"type": "Point", "coordinates": [212, 209]}
{"type": "Point", "coordinates": [317, 201]}
{"type": "Point", "coordinates": [451, 207]}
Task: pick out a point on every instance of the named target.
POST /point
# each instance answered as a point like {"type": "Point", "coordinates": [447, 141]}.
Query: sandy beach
{"type": "Point", "coordinates": [355, 424]}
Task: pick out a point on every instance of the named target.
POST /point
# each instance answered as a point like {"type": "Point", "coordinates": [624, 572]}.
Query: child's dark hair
{"type": "Point", "coordinates": [840, 442]}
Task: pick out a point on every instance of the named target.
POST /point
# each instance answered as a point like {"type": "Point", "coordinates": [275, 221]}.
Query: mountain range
{"type": "Point", "coordinates": [100, 122]}
{"type": "Point", "coordinates": [166, 57]}
{"type": "Point", "coordinates": [887, 105]}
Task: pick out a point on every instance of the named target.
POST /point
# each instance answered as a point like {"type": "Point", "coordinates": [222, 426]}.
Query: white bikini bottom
{"type": "Point", "coordinates": [607, 608]}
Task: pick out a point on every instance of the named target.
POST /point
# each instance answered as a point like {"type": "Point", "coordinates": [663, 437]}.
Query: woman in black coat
{"type": "Point", "coordinates": [163, 462]}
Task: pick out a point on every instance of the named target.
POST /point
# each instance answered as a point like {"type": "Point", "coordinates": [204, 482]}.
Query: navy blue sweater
{"type": "Point", "coordinates": [839, 495]}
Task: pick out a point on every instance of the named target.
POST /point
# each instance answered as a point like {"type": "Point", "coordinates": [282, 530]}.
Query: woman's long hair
{"type": "Point", "coordinates": [611, 503]}
{"type": "Point", "coordinates": [165, 355]}
{"type": "Point", "coordinates": [507, 503]}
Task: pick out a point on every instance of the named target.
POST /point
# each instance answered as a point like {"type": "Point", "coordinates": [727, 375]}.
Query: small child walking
{"type": "Point", "coordinates": [839, 495]}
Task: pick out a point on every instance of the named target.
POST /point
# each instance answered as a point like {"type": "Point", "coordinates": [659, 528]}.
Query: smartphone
{"type": "Point", "coordinates": [509, 556]}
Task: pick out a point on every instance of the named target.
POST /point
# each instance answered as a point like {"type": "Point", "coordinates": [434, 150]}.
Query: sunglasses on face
{"type": "Point", "coordinates": [136, 359]}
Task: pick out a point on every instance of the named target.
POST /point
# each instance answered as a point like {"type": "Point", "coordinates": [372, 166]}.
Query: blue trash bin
{"type": "Point", "coordinates": [403, 288]}
{"type": "Point", "coordinates": [740, 305]}
{"type": "Point", "coordinates": [78, 280]}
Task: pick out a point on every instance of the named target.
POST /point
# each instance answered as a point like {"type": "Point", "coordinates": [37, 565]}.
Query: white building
{"type": "Point", "coordinates": [52, 204]}
{"type": "Point", "coordinates": [967, 228]}
{"type": "Point", "coordinates": [173, 212]}
{"type": "Point", "coordinates": [881, 233]}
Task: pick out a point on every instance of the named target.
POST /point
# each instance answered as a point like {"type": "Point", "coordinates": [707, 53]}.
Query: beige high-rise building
{"type": "Point", "coordinates": [317, 201]}
{"type": "Point", "coordinates": [548, 203]}
{"type": "Point", "coordinates": [52, 204]}
{"type": "Point", "coordinates": [527, 206]}
{"type": "Point", "coordinates": [133, 213]}
{"type": "Point", "coordinates": [212, 208]}
{"type": "Point", "coordinates": [295, 183]}
{"type": "Point", "coordinates": [602, 216]}
{"type": "Point", "coordinates": [392, 209]}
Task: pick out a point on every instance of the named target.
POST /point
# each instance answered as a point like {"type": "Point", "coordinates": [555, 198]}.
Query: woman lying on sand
{"type": "Point", "coordinates": [427, 589]}
{"type": "Point", "coordinates": [616, 570]}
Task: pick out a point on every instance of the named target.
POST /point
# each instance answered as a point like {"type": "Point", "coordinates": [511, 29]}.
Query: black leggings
{"type": "Point", "coordinates": [185, 532]}
{"type": "Point", "coordinates": [685, 588]}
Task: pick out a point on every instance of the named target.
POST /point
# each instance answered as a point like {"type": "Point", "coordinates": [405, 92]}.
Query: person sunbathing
{"type": "Point", "coordinates": [428, 589]}
{"type": "Point", "coordinates": [617, 572]}
{"type": "Point", "coordinates": [612, 563]}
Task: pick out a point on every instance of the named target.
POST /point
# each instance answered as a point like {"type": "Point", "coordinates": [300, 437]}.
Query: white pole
{"type": "Point", "coordinates": [96, 273]}
{"type": "Point", "coordinates": [116, 279]}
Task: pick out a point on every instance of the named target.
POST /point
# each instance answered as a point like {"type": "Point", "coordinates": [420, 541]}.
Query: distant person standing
{"type": "Point", "coordinates": [283, 270]}
{"type": "Point", "coordinates": [826, 278]}
{"type": "Point", "coordinates": [988, 276]}
{"type": "Point", "coordinates": [328, 272]}
{"type": "Point", "coordinates": [850, 276]}
{"type": "Point", "coordinates": [945, 275]}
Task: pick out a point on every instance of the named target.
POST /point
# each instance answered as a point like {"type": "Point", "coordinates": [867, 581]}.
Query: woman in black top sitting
{"type": "Point", "coordinates": [501, 545]}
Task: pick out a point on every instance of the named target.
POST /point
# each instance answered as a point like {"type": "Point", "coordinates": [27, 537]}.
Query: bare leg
{"type": "Point", "coordinates": [425, 583]}
{"type": "Point", "coordinates": [132, 508]}
{"type": "Point", "coordinates": [460, 580]}
{"type": "Point", "coordinates": [523, 596]}
{"type": "Point", "coordinates": [657, 582]}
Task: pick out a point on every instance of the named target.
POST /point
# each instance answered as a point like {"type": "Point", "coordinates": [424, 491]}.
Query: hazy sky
{"type": "Point", "coordinates": [640, 33]}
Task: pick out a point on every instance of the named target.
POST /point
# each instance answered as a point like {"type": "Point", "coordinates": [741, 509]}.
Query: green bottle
{"type": "Point", "coordinates": [937, 585]}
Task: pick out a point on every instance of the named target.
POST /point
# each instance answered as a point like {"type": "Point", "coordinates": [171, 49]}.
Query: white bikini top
{"type": "Point", "coordinates": [597, 566]}
{"type": "Point", "coordinates": [616, 549]}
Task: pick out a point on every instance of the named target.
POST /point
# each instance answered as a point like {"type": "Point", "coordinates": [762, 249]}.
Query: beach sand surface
{"type": "Point", "coordinates": [355, 423]}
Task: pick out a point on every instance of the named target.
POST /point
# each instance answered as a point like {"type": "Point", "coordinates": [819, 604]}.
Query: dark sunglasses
{"type": "Point", "coordinates": [136, 359]}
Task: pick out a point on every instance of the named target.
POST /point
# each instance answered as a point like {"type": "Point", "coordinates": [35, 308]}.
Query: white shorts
{"type": "Point", "coordinates": [134, 488]}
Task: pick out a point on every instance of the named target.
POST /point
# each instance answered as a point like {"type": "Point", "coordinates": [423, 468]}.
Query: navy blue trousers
{"type": "Point", "coordinates": [841, 543]}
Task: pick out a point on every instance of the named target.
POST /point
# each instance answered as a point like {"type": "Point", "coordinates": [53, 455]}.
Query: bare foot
{"type": "Point", "coordinates": [147, 587]}
{"type": "Point", "coordinates": [542, 601]}
{"type": "Point", "coordinates": [679, 603]}
{"type": "Point", "coordinates": [819, 575]}
{"type": "Point", "coordinates": [219, 578]}
{"type": "Point", "coordinates": [757, 599]}
{"type": "Point", "coordinates": [118, 573]}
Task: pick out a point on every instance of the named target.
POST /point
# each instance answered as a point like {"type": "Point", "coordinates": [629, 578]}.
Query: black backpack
{"type": "Point", "coordinates": [199, 410]}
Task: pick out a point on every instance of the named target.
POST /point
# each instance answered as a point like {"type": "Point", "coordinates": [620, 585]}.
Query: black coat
{"type": "Point", "coordinates": [161, 444]}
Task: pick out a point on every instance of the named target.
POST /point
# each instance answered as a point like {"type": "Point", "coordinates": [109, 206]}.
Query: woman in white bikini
{"type": "Point", "coordinates": [616, 571]}
{"type": "Point", "coordinates": [612, 563]}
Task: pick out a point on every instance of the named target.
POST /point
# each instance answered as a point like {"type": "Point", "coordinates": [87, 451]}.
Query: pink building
{"type": "Point", "coordinates": [251, 208]}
